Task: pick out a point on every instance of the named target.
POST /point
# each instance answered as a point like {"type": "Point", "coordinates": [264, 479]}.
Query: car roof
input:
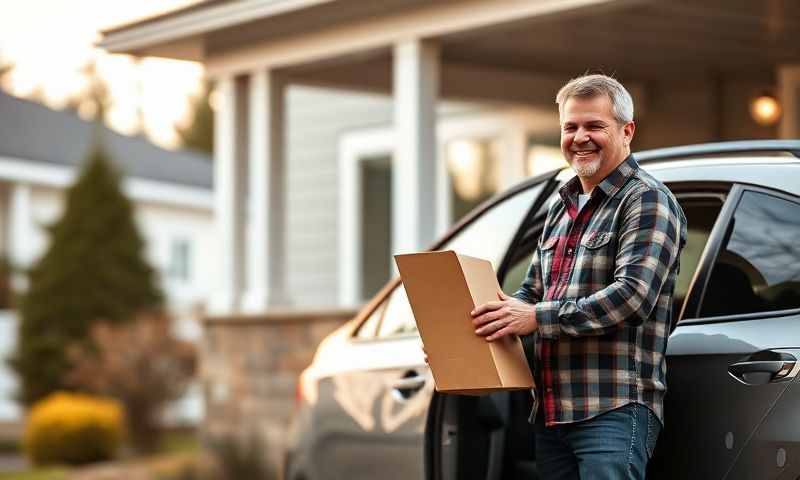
{"type": "Point", "coordinates": [729, 149]}
{"type": "Point", "coordinates": [743, 162]}
{"type": "Point", "coordinates": [769, 163]}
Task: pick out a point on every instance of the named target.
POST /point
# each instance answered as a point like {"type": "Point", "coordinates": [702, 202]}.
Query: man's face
{"type": "Point", "coordinates": [592, 141]}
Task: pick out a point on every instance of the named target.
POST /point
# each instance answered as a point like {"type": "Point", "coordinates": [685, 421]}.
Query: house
{"type": "Point", "coordinates": [41, 151]}
{"type": "Point", "coordinates": [347, 131]}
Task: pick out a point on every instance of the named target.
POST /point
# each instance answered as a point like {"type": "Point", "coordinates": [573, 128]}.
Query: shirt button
{"type": "Point", "coordinates": [569, 251]}
{"type": "Point", "coordinates": [548, 390]}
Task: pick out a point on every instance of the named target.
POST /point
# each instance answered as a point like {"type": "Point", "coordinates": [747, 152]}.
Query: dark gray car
{"type": "Point", "coordinates": [367, 408]}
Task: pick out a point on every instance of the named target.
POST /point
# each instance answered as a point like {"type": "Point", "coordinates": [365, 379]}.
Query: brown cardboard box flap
{"type": "Point", "coordinates": [507, 352]}
{"type": "Point", "coordinates": [443, 288]}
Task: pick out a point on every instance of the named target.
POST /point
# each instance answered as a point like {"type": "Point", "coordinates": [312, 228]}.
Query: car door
{"type": "Point", "coordinates": [732, 354]}
{"type": "Point", "coordinates": [371, 413]}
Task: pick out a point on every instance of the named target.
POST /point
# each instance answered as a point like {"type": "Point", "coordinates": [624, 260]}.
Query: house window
{"type": "Point", "coordinates": [376, 223]}
{"type": "Point", "coordinates": [473, 167]}
{"type": "Point", "coordinates": [543, 156]}
{"type": "Point", "coordinates": [179, 256]}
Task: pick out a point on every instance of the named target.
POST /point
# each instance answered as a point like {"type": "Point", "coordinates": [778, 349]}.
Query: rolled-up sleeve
{"type": "Point", "coordinates": [647, 247]}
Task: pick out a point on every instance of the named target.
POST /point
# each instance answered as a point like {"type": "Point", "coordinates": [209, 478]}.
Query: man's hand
{"type": "Point", "coordinates": [507, 316]}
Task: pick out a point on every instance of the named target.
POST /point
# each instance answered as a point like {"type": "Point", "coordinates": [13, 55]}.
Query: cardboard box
{"type": "Point", "coordinates": [443, 288]}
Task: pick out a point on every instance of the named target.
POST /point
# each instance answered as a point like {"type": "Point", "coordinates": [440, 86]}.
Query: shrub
{"type": "Point", "coordinates": [73, 429]}
{"type": "Point", "coordinates": [142, 365]}
{"type": "Point", "coordinates": [240, 458]}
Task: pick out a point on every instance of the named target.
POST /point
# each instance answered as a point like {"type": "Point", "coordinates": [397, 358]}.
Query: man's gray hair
{"type": "Point", "coordinates": [589, 86]}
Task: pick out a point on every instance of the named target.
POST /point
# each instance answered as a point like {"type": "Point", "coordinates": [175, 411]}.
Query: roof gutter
{"type": "Point", "coordinates": [196, 21]}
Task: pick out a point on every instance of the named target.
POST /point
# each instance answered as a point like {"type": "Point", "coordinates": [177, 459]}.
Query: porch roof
{"type": "Point", "coordinates": [643, 39]}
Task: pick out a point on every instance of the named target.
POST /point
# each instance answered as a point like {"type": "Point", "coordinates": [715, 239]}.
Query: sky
{"type": "Point", "coordinates": [49, 41]}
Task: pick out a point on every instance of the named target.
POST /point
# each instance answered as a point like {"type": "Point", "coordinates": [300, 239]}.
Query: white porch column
{"type": "Point", "coordinates": [229, 193]}
{"type": "Point", "coordinates": [21, 235]}
{"type": "Point", "coordinates": [5, 218]}
{"type": "Point", "coordinates": [513, 162]}
{"type": "Point", "coordinates": [266, 253]}
{"type": "Point", "coordinates": [416, 91]}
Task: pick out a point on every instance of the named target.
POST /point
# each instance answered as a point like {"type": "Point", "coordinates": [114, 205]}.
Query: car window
{"type": "Point", "coordinates": [520, 259]}
{"type": "Point", "coordinates": [398, 318]}
{"type": "Point", "coordinates": [758, 267]}
{"type": "Point", "coordinates": [701, 212]}
{"type": "Point", "coordinates": [487, 237]}
{"type": "Point", "coordinates": [369, 328]}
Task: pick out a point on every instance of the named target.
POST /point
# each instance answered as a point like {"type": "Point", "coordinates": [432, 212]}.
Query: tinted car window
{"type": "Point", "coordinates": [521, 257]}
{"type": "Point", "coordinates": [487, 237]}
{"type": "Point", "coordinates": [757, 269]}
{"type": "Point", "coordinates": [701, 213]}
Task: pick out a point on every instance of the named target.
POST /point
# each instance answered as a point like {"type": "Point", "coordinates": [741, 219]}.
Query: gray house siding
{"type": "Point", "coordinates": [316, 119]}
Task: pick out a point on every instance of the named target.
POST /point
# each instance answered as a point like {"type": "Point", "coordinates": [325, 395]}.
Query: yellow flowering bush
{"type": "Point", "coordinates": [73, 428]}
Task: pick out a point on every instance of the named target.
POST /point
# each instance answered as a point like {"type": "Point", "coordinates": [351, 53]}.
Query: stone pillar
{"type": "Point", "coordinates": [266, 253]}
{"type": "Point", "coordinates": [416, 91]}
{"type": "Point", "coordinates": [230, 173]}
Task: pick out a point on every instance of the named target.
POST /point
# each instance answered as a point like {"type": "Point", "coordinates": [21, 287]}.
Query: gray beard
{"type": "Point", "coordinates": [585, 171]}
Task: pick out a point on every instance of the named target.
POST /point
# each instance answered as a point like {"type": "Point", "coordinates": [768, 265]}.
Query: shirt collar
{"type": "Point", "coordinates": [609, 186]}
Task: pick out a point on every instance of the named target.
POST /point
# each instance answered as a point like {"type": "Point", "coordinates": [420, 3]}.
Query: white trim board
{"type": "Point", "coordinates": [138, 189]}
{"type": "Point", "coordinates": [353, 148]}
{"type": "Point", "coordinates": [133, 37]}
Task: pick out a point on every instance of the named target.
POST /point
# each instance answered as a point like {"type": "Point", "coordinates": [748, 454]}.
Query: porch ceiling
{"type": "Point", "coordinates": [658, 39]}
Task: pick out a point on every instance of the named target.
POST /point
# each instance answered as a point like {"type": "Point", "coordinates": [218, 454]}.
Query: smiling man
{"type": "Point", "coordinates": [594, 311]}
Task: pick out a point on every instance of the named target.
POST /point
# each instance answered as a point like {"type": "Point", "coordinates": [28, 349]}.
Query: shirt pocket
{"type": "Point", "coordinates": [596, 262]}
{"type": "Point", "coordinates": [547, 252]}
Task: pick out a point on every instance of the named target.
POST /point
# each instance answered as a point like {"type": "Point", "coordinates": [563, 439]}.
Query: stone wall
{"type": "Point", "coordinates": [249, 367]}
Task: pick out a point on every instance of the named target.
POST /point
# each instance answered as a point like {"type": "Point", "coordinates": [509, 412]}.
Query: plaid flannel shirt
{"type": "Point", "coordinates": [602, 280]}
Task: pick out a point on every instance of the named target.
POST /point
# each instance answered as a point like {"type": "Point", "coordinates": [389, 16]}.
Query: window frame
{"type": "Point", "coordinates": [180, 250]}
{"type": "Point", "coordinates": [699, 283]}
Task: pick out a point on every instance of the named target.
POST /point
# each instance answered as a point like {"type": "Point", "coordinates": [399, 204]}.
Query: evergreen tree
{"type": "Point", "coordinates": [199, 133]}
{"type": "Point", "coordinates": [92, 271]}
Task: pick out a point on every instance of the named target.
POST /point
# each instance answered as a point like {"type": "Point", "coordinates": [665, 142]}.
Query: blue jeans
{"type": "Point", "coordinates": [614, 445]}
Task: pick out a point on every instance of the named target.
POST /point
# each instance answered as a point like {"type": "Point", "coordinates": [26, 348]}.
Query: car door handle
{"type": "Point", "coordinates": [406, 387]}
{"type": "Point", "coordinates": [409, 383]}
{"type": "Point", "coordinates": [759, 372]}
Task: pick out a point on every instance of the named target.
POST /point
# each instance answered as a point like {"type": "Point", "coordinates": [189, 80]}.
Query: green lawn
{"type": "Point", "coordinates": [177, 448]}
{"type": "Point", "coordinates": [37, 474]}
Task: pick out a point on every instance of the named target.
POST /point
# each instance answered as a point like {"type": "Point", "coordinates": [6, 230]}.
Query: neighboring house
{"type": "Point", "coordinates": [41, 151]}
{"type": "Point", "coordinates": [347, 131]}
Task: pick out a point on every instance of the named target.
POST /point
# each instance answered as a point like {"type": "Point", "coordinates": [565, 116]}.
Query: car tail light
{"type": "Point", "coordinates": [306, 389]}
